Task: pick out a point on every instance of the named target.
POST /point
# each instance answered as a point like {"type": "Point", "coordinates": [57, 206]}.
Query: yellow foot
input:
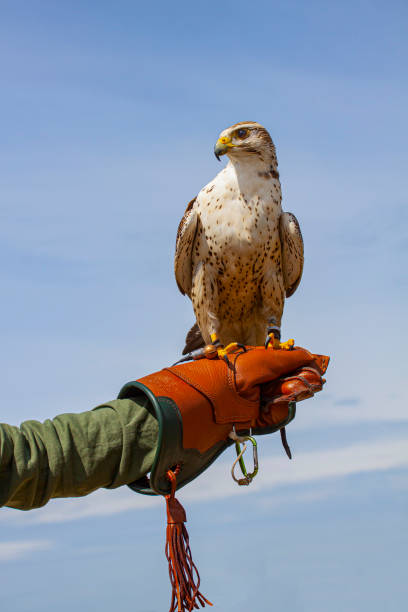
{"type": "Point", "coordinates": [230, 348]}
{"type": "Point", "coordinates": [274, 343]}
{"type": "Point", "coordinates": [217, 349]}
{"type": "Point", "coordinates": [288, 345]}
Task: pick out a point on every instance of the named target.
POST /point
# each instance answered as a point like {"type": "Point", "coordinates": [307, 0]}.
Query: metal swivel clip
{"type": "Point", "coordinates": [247, 477]}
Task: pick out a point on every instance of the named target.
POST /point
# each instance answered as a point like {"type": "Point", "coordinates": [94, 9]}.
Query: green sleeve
{"type": "Point", "coordinates": [74, 454]}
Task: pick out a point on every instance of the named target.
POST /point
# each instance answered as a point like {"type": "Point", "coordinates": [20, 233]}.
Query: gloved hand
{"type": "Point", "coordinates": [198, 404]}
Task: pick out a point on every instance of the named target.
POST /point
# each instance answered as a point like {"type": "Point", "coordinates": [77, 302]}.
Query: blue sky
{"type": "Point", "coordinates": [109, 116]}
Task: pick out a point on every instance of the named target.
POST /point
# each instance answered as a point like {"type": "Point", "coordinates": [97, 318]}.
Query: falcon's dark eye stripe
{"type": "Point", "coordinates": [242, 133]}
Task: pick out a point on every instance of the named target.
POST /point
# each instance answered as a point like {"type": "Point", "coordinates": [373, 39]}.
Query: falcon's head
{"type": "Point", "coordinates": [246, 139]}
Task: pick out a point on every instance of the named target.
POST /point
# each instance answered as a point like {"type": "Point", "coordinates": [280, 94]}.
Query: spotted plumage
{"type": "Point", "coordinates": [237, 254]}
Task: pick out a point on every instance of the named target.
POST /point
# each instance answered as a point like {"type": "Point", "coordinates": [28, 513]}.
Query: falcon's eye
{"type": "Point", "coordinates": [242, 133]}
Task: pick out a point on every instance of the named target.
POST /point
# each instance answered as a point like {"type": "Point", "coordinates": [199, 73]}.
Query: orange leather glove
{"type": "Point", "coordinates": [197, 404]}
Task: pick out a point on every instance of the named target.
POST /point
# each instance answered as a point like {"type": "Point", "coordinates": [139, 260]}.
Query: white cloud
{"type": "Point", "coordinates": [101, 503]}
{"type": "Point", "coordinates": [307, 467]}
{"type": "Point", "coordinates": [216, 483]}
{"type": "Point", "coordinates": [17, 550]}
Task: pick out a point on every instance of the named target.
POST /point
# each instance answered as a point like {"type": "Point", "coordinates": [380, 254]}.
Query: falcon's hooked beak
{"type": "Point", "coordinates": [222, 145]}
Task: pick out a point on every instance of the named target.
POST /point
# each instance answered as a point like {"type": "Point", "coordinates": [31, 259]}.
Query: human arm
{"type": "Point", "coordinates": [75, 454]}
{"type": "Point", "coordinates": [178, 416]}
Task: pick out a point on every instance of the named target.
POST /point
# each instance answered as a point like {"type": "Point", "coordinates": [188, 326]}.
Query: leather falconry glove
{"type": "Point", "coordinates": [198, 404]}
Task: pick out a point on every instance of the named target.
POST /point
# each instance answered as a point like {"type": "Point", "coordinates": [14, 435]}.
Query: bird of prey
{"type": "Point", "coordinates": [237, 254]}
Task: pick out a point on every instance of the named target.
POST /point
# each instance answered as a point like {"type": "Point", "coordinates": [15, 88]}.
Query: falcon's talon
{"type": "Point", "coordinates": [277, 345]}
{"type": "Point", "coordinates": [230, 348]}
{"type": "Point", "coordinates": [272, 342]}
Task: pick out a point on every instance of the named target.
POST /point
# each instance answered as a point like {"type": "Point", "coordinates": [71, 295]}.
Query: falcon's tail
{"type": "Point", "coordinates": [194, 340]}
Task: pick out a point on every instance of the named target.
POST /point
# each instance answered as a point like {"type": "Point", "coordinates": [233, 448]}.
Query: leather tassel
{"type": "Point", "coordinates": [184, 577]}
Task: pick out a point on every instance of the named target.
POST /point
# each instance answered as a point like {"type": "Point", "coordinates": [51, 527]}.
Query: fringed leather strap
{"type": "Point", "coordinates": [184, 576]}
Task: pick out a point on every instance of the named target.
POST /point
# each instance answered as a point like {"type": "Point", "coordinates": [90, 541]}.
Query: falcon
{"type": "Point", "coordinates": [238, 256]}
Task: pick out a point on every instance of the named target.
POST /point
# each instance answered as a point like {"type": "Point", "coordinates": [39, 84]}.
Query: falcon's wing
{"type": "Point", "coordinates": [184, 246]}
{"type": "Point", "coordinates": [292, 251]}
